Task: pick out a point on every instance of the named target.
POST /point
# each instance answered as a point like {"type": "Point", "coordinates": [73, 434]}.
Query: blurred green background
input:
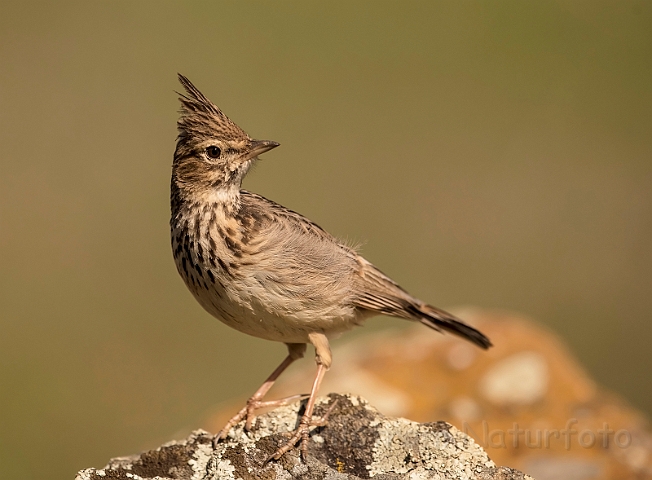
{"type": "Point", "coordinates": [496, 154]}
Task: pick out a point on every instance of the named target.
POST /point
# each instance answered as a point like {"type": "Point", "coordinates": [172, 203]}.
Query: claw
{"type": "Point", "coordinates": [247, 414]}
{"type": "Point", "coordinates": [300, 434]}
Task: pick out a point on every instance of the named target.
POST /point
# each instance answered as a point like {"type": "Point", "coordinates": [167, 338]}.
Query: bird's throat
{"type": "Point", "coordinates": [185, 200]}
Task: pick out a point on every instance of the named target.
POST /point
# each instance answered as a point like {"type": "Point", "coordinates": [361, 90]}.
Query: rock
{"type": "Point", "coordinates": [520, 379]}
{"type": "Point", "coordinates": [357, 442]}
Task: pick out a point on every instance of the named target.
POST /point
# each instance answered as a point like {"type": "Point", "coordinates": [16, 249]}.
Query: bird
{"type": "Point", "coordinates": [266, 270]}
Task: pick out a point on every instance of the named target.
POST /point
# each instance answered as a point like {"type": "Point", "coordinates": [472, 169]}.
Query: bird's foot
{"type": "Point", "coordinates": [247, 413]}
{"type": "Point", "coordinates": [302, 433]}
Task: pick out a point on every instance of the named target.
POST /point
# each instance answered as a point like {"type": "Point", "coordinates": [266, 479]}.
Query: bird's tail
{"type": "Point", "coordinates": [441, 320]}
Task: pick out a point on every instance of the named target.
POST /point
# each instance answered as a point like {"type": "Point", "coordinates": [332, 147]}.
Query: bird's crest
{"type": "Point", "coordinates": [201, 117]}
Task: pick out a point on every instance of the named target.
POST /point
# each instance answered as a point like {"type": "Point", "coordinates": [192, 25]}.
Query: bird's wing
{"type": "Point", "coordinates": [319, 266]}
{"type": "Point", "coordinates": [297, 259]}
{"type": "Point", "coordinates": [376, 292]}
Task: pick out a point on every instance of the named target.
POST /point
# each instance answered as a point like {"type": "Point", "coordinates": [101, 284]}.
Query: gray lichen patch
{"type": "Point", "coordinates": [426, 450]}
{"type": "Point", "coordinates": [357, 442]}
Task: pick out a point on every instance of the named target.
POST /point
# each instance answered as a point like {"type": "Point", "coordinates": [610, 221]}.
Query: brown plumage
{"type": "Point", "coordinates": [264, 269]}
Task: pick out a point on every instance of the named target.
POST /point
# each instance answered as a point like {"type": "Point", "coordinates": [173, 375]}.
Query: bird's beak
{"type": "Point", "coordinates": [261, 146]}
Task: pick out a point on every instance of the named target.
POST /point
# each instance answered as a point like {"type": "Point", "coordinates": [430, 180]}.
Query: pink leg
{"type": "Point", "coordinates": [323, 358]}
{"type": "Point", "coordinates": [302, 431]}
{"type": "Point", "coordinates": [255, 402]}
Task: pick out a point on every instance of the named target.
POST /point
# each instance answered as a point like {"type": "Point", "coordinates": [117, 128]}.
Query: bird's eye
{"type": "Point", "coordinates": [213, 152]}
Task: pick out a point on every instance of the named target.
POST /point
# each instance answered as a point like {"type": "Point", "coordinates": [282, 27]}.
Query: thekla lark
{"type": "Point", "coordinates": [265, 270]}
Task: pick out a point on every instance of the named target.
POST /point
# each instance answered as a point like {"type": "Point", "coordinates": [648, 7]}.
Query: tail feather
{"type": "Point", "coordinates": [441, 320]}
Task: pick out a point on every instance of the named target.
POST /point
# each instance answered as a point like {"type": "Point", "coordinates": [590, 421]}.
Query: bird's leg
{"type": "Point", "coordinates": [296, 351]}
{"type": "Point", "coordinates": [324, 359]}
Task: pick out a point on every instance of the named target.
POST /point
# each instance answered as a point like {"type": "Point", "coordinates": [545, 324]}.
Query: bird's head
{"type": "Point", "coordinates": [212, 152]}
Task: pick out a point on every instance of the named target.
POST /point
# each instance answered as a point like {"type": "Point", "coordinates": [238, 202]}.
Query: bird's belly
{"type": "Point", "coordinates": [263, 300]}
{"type": "Point", "coordinates": [264, 320]}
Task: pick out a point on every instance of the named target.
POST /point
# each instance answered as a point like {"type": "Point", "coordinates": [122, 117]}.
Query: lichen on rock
{"type": "Point", "coordinates": [357, 443]}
